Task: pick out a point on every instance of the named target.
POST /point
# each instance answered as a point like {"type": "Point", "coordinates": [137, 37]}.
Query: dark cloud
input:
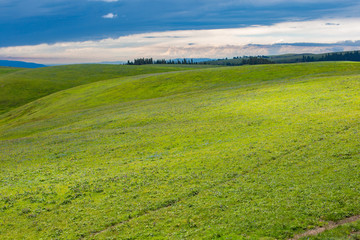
{"type": "Point", "coordinates": [50, 21]}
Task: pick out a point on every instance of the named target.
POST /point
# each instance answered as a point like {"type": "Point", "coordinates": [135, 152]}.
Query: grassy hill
{"type": "Point", "coordinates": [25, 86]}
{"type": "Point", "coordinates": [308, 57]}
{"type": "Point", "coordinates": [292, 58]}
{"type": "Point", "coordinates": [231, 153]}
{"type": "Point", "coordinates": [7, 70]}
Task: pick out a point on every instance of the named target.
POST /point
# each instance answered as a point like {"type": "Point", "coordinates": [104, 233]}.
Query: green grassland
{"type": "Point", "coordinates": [28, 85]}
{"type": "Point", "coordinates": [7, 70]}
{"type": "Point", "coordinates": [245, 152]}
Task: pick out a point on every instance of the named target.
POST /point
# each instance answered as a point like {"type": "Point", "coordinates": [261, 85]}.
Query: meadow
{"type": "Point", "coordinates": [250, 152]}
{"type": "Point", "coordinates": [27, 85]}
{"type": "Point", "coordinates": [7, 70]}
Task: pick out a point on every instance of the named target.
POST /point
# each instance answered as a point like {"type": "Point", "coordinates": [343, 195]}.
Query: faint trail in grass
{"type": "Point", "coordinates": [170, 203]}
{"type": "Point", "coordinates": [354, 234]}
{"type": "Point", "coordinates": [331, 225]}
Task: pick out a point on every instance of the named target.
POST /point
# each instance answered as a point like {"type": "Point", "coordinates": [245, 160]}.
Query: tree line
{"type": "Point", "coordinates": [239, 61]}
{"type": "Point", "coordinates": [254, 60]}
{"type": "Point", "coordinates": [338, 56]}
{"type": "Point", "coordinates": [143, 61]}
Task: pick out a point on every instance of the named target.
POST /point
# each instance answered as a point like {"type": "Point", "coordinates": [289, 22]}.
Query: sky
{"type": "Point", "coordinates": [69, 31]}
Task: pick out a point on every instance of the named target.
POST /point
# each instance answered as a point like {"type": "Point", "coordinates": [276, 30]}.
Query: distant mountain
{"type": "Point", "coordinates": [6, 63]}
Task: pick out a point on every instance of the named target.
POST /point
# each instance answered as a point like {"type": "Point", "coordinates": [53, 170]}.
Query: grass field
{"type": "Point", "coordinates": [252, 152]}
{"type": "Point", "coordinates": [27, 85]}
{"type": "Point", "coordinates": [7, 70]}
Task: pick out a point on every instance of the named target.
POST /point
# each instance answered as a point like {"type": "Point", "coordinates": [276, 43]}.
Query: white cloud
{"type": "Point", "coordinates": [108, 0]}
{"type": "Point", "coordinates": [217, 43]}
{"type": "Point", "coordinates": [110, 15]}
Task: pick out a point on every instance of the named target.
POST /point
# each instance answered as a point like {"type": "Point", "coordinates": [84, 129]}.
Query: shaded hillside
{"type": "Point", "coordinates": [8, 70]}
{"type": "Point", "coordinates": [25, 86]}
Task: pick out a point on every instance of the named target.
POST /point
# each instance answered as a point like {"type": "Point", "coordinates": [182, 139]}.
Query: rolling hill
{"type": "Point", "coordinates": [25, 86]}
{"type": "Point", "coordinates": [250, 152]}
{"type": "Point", "coordinates": [7, 70]}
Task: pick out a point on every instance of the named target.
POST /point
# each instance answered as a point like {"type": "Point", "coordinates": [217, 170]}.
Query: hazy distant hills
{"type": "Point", "coordinates": [6, 63]}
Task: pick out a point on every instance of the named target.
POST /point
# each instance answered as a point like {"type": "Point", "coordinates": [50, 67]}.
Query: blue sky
{"type": "Point", "coordinates": [39, 22]}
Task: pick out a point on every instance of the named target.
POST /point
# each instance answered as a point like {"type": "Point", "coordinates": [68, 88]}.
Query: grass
{"type": "Point", "coordinates": [231, 153]}
{"type": "Point", "coordinates": [25, 86]}
{"type": "Point", "coordinates": [7, 70]}
{"type": "Point", "coordinates": [350, 231]}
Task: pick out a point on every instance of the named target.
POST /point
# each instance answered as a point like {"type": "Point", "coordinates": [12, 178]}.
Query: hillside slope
{"type": "Point", "coordinates": [237, 153]}
{"type": "Point", "coordinates": [7, 70]}
{"type": "Point", "coordinates": [28, 85]}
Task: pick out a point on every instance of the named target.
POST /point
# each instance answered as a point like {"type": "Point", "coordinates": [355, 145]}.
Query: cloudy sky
{"type": "Point", "coordinates": [75, 31]}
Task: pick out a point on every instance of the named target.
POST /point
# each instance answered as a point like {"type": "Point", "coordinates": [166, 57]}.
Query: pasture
{"type": "Point", "coordinates": [250, 152]}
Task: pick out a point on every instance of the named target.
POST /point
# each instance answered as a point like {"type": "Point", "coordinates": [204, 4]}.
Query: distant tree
{"type": "Point", "coordinates": [255, 61]}
{"type": "Point", "coordinates": [142, 61]}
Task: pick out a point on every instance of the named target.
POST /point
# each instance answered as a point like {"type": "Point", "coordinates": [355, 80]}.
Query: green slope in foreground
{"type": "Point", "coordinates": [25, 86]}
{"type": "Point", "coordinates": [232, 153]}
